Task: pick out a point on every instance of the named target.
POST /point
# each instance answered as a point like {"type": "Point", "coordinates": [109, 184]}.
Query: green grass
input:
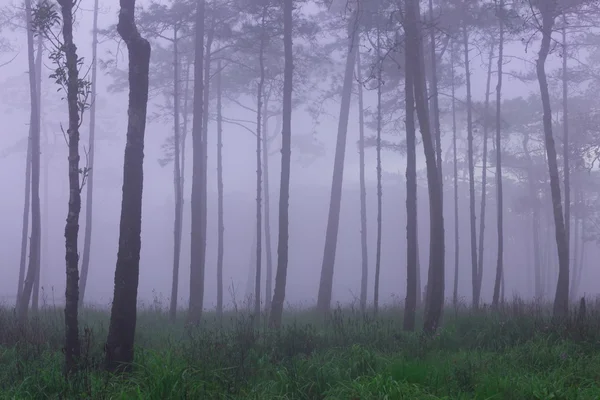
{"type": "Point", "coordinates": [516, 353]}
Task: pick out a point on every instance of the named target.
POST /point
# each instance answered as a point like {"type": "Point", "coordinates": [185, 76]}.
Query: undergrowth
{"type": "Point", "coordinates": [516, 352]}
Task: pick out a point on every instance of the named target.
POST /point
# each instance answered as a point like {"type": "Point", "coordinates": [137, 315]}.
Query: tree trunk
{"type": "Point", "coordinates": [198, 240]}
{"type": "Point", "coordinates": [410, 303]}
{"type": "Point", "coordinates": [38, 74]}
{"type": "Point", "coordinates": [121, 331]}
{"type": "Point", "coordinates": [34, 256]}
{"type": "Point", "coordinates": [566, 148]}
{"type": "Point", "coordinates": [333, 219]}
{"type": "Point", "coordinates": [363, 191]}
{"type": "Point", "coordinates": [87, 236]}
{"type": "Point", "coordinates": [379, 189]}
{"type": "Point", "coordinates": [535, 220]}
{"type": "Point", "coordinates": [456, 223]}
{"type": "Point", "coordinates": [499, 195]}
{"type": "Point", "coordinates": [25, 226]}
{"type": "Point", "coordinates": [434, 96]}
{"type": "Point", "coordinates": [267, 209]}
{"type": "Point", "coordinates": [561, 299]}
{"type": "Point", "coordinates": [178, 192]}
{"type": "Point", "coordinates": [220, 220]}
{"type": "Point", "coordinates": [259, 106]}
{"type": "Point", "coordinates": [434, 301]}
{"type": "Point", "coordinates": [576, 236]}
{"type": "Point", "coordinates": [484, 175]}
{"type": "Point", "coordinates": [474, 267]}
{"type": "Point", "coordinates": [72, 349]}
{"type": "Point", "coordinates": [284, 187]}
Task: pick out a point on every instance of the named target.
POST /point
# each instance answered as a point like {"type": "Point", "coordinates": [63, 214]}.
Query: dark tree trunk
{"type": "Point", "coordinates": [72, 349]}
{"type": "Point", "coordinates": [363, 191]}
{"type": "Point", "coordinates": [566, 148]}
{"type": "Point", "coordinates": [198, 240]}
{"type": "Point", "coordinates": [500, 200]}
{"type": "Point", "coordinates": [220, 222]}
{"type": "Point", "coordinates": [473, 218]}
{"type": "Point", "coordinates": [456, 222]}
{"type": "Point", "coordinates": [87, 235]}
{"type": "Point", "coordinates": [38, 74]}
{"type": "Point", "coordinates": [267, 209]}
{"type": "Point", "coordinates": [410, 303]}
{"type": "Point", "coordinates": [434, 96]}
{"type": "Point", "coordinates": [434, 301]}
{"type": "Point", "coordinates": [486, 120]}
{"type": "Point", "coordinates": [121, 331]}
{"type": "Point", "coordinates": [333, 219]}
{"type": "Point", "coordinates": [178, 187]}
{"type": "Point", "coordinates": [284, 188]}
{"type": "Point", "coordinates": [34, 256]}
{"type": "Point", "coordinates": [379, 189]}
{"type": "Point", "coordinates": [561, 299]}
{"type": "Point", "coordinates": [25, 226]}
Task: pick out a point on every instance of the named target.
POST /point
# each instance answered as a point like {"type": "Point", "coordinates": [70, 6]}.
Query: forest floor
{"type": "Point", "coordinates": [516, 353]}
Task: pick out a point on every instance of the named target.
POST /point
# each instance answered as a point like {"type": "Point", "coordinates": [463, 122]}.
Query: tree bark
{"type": "Point", "coordinates": [198, 240]}
{"type": "Point", "coordinates": [25, 226]}
{"type": "Point", "coordinates": [474, 267]}
{"type": "Point", "coordinates": [456, 221]}
{"type": "Point", "coordinates": [220, 219]}
{"type": "Point", "coordinates": [267, 209]}
{"type": "Point", "coordinates": [284, 187]}
{"type": "Point", "coordinates": [121, 331]}
{"type": "Point", "coordinates": [499, 195]}
{"type": "Point", "coordinates": [561, 299]}
{"type": "Point", "coordinates": [435, 97]}
{"type": "Point", "coordinates": [379, 188]}
{"type": "Point", "coordinates": [566, 148]}
{"type": "Point", "coordinates": [38, 76]}
{"type": "Point", "coordinates": [333, 219]}
{"type": "Point", "coordinates": [363, 191]}
{"type": "Point", "coordinates": [178, 187]}
{"type": "Point", "coordinates": [87, 235]}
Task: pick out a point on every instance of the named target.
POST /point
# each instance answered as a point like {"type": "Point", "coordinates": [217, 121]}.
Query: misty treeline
{"type": "Point", "coordinates": [408, 65]}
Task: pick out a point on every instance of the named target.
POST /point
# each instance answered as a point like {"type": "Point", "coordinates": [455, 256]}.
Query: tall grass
{"type": "Point", "coordinates": [516, 352]}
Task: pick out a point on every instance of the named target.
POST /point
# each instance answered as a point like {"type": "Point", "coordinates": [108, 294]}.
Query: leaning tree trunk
{"type": "Point", "coordinates": [333, 219]}
{"type": "Point", "coordinates": [434, 301]}
{"type": "Point", "coordinates": [121, 331]}
{"type": "Point", "coordinates": [284, 187]}
{"type": "Point", "coordinates": [484, 174]}
{"type": "Point", "coordinates": [472, 219]}
{"type": "Point", "coordinates": [363, 191]}
{"type": "Point", "coordinates": [379, 189]}
{"type": "Point", "coordinates": [220, 220]}
{"type": "Point", "coordinates": [34, 256]}
{"type": "Point", "coordinates": [410, 303]}
{"type": "Point", "coordinates": [25, 226]}
{"type": "Point", "coordinates": [178, 220]}
{"type": "Point", "coordinates": [561, 299]}
{"type": "Point", "coordinates": [87, 236]}
{"type": "Point", "coordinates": [456, 223]}
{"type": "Point", "coordinates": [499, 195]}
{"type": "Point", "coordinates": [72, 349]}
{"type": "Point", "coordinates": [197, 255]}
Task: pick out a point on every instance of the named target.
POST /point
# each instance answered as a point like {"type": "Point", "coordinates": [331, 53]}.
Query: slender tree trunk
{"type": "Point", "coordinates": [284, 187]}
{"type": "Point", "coordinates": [87, 236]}
{"type": "Point", "coordinates": [121, 331]}
{"type": "Point", "coordinates": [363, 191]}
{"type": "Point", "coordinates": [25, 226]}
{"type": "Point", "coordinates": [259, 106]}
{"type": "Point", "coordinates": [72, 349]}
{"type": "Point", "coordinates": [267, 210]}
{"type": "Point", "coordinates": [333, 220]}
{"type": "Point", "coordinates": [484, 175]}
{"type": "Point", "coordinates": [456, 223]}
{"type": "Point", "coordinates": [178, 223]}
{"type": "Point", "coordinates": [474, 267]}
{"type": "Point", "coordinates": [220, 220]}
{"type": "Point", "coordinates": [34, 256]}
{"type": "Point", "coordinates": [379, 189]}
{"type": "Point", "coordinates": [434, 96]}
{"type": "Point", "coordinates": [410, 303]}
{"type": "Point", "coordinates": [575, 277]}
{"type": "Point", "coordinates": [561, 299]}
{"type": "Point", "coordinates": [566, 146]}
{"type": "Point", "coordinates": [197, 256]}
{"type": "Point", "coordinates": [535, 220]}
{"type": "Point", "coordinates": [38, 73]}
{"type": "Point", "coordinates": [500, 200]}
{"type": "Point", "coordinates": [435, 283]}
